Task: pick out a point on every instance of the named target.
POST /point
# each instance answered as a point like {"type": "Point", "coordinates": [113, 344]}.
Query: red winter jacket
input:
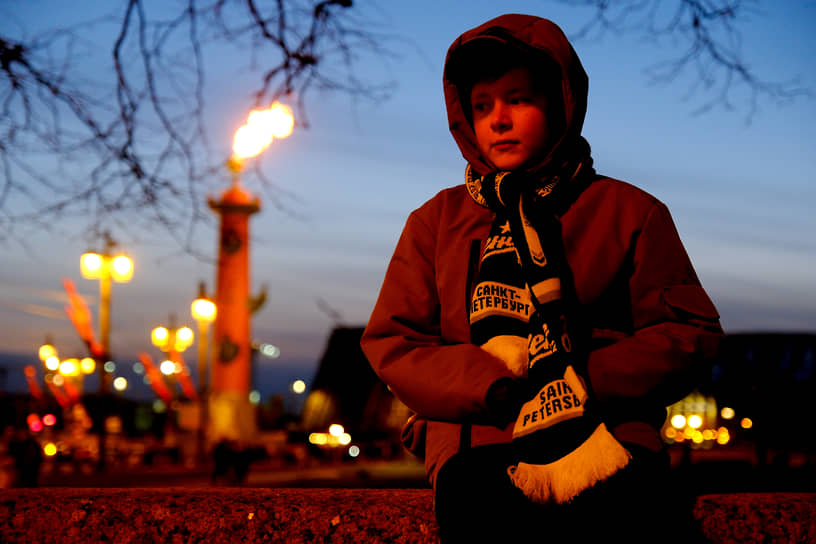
{"type": "Point", "coordinates": [654, 329]}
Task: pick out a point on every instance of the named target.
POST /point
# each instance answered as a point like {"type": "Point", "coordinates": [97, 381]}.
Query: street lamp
{"type": "Point", "coordinates": [47, 350]}
{"type": "Point", "coordinates": [203, 310]}
{"type": "Point", "coordinates": [174, 341]}
{"type": "Point", "coordinates": [170, 339]}
{"type": "Point", "coordinates": [106, 266]}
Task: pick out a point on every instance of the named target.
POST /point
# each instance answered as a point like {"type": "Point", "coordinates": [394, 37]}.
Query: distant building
{"type": "Point", "coordinates": [346, 390]}
{"type": "Point", "coordinates": [771, 377]}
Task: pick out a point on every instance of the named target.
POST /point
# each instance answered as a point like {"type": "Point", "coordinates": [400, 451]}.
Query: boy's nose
{"type": "Point", "coordinates": [501, 117]}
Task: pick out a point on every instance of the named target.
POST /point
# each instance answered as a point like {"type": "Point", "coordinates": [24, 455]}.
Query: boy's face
{"type": "Point", "coordinates": [509, 119]}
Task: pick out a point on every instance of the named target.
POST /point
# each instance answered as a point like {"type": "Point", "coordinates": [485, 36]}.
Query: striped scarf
{"type": "Point", "coordinates": [520, 311]}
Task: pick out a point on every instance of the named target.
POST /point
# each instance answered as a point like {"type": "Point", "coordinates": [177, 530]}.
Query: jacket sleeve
{"type": "Point", "coordinates": [403, 341]}
{"type": "Point", "coordinates": [676, 328]}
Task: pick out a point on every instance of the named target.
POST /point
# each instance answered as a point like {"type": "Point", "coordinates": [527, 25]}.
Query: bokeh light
{"type": "Point", "coordinates": [678, 421]}
{"type": "Point", "coordinates": [336, 429]}
{"type": "Point", "coordinates": [167, 367]}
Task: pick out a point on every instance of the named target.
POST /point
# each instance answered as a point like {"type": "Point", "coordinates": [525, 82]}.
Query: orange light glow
{"type": "Point", "coordinates": [87, 365]}
{"type": "Point", "coordinates": [46, 351]}
{"type": "Point", "coordinates": [694, 421]}
{"type": "Point", "coordinates": [336, 429]}
{"type": "Point", "coordinates": [34, 423]}
{"type": "Point", "coordinates": [746, 423]}
{"type": "Point", "coordinates": [52, 363]}
{"type": "Point", "coordinates": [261, 128]}
{"type": "Point", "coordinates": [678, 421]}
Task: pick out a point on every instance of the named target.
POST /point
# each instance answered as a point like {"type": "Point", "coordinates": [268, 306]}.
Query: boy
{"type": "Point", "coordinates": [457, 329]}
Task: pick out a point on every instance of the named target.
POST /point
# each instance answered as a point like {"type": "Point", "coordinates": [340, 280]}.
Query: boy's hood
{"type": "Point", "coordinates": [540, 35]}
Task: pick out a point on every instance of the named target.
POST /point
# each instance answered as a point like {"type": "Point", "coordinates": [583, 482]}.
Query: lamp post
{"type": "Point", "coordinates": [204, 311]}
{"type": "Point", "coordinates": [105, 266]}
{"type": "Point", "coordinates": [172, 340]}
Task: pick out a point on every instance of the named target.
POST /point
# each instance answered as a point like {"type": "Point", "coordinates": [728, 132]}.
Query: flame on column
{"type": "Point", "coordinates": [261, 128]}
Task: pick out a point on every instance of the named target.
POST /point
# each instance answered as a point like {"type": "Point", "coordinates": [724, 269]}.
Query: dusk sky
{"type": "Point", "coordinates": [741, 193]}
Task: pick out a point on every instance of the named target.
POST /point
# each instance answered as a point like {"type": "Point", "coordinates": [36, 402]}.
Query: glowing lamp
{"type": "Point", "coordinates": [120, 383]}
{"type": "Point", "coordinates": [52, 363]}
{"type": "Point", "coordinates": [336, 430]}
{"type": "Point", "coordinates": [46, 351]}
{"type": "Point", "coordinates": [167, 367]}
{"type": "Point", "coordinates": [50, 449]}
{"type": "Point", "coordinates": [87, 365]}
{"type": "Point", "coordinates": [69, 367]}
{"type": "Point", "coordinates": [121, 268]}
{"type": "Point", "coordinates": [184, 337]}
{"type": "Point", "coordinates": [695, 421]}
{"type": "Point", "coordinates": [203, 310]}
{"type": "Point", "coordinates": [159, 336]}
{"type": "Point", "coordinates": [299, 386]}
{"type": "Point", "coordinates": [678, 421]}
{"type": "Point", "coordinates": [90, 265]}
{"type": "Point", "coordinates": [49, 420]}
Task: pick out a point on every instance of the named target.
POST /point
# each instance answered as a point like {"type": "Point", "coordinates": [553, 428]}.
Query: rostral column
{"type": "Point", "coordinates": [231, 414]}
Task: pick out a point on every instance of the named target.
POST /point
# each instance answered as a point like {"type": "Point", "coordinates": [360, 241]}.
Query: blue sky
{"type": "Point", "coordinates": [741, 193]}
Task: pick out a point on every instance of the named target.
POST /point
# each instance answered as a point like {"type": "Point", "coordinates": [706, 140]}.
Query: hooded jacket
{"type": "Point", "coordinates": [653, 328]}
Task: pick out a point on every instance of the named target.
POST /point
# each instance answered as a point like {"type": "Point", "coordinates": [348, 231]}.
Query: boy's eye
{"type": "Point", "coordinates": [481, 107]}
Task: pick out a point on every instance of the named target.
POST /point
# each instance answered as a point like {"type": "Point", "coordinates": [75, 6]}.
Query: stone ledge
{"type": "Point", "coordinates": [757, 517]}
{"type": "Point", "coordinates": [226, 515]}
{"type": "Point", "coordinates": [216, 515]}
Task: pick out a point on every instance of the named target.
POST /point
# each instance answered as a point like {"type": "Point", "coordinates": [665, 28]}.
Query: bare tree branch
{"type": "Point", "coordinates": [124, 142]}
{"type": "Point", "coordinates": [706, 36]}
{"type": "Point", "coordinates": [129, 144]}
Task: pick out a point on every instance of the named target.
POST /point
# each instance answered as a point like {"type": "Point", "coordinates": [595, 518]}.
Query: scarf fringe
{"type": "Point", "coordinates": [599, 457]}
